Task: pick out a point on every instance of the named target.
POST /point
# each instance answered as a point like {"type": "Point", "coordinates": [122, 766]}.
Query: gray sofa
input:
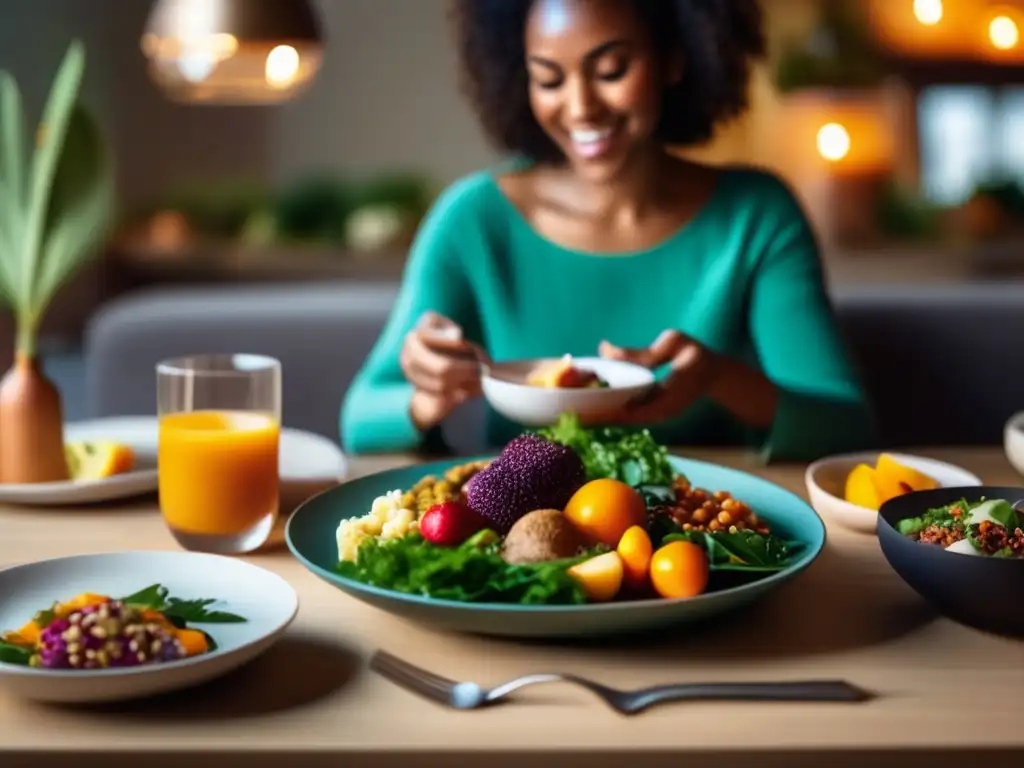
{"type": "Point", "coordinates": [941, 364]}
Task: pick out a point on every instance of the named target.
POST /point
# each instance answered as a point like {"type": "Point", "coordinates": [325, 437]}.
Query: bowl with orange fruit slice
{"type": "Point", "coordinates": [849, 489]}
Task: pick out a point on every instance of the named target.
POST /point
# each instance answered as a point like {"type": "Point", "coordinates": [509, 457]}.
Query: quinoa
{"type": "Point", "coordinates": [996, 538]}
{"type": "Point", "coordinates": [108, 634]}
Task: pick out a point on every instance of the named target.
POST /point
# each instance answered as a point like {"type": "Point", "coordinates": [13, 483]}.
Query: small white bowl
{"type": "Point", "coordinates": [1013, 441]}
{"type": "Point", "coordinates": [264, 599]}
{"type": "Point", "coordinates": [826, 485]}
{"type": "Point", "coordinates": [505, 388]}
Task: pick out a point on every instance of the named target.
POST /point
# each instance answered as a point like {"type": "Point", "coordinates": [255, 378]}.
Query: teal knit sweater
{"type": "Point", "coordinates": [743, 278]}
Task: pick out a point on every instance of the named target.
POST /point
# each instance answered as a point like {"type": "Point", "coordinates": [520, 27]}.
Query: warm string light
{"type": "Point", "coordinates": [1003, 32]}
{"type": "Point", "coordinates": [928, 12]}
{"type": "Point", "coordinates": [834, 142]}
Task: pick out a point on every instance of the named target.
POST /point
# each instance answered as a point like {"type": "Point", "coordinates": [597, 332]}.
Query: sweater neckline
{"type": "Point", "coordinates": [668, 243]}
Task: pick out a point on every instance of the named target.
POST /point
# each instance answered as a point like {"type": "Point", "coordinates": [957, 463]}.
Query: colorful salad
{"type": "Point", "coordinates": [93, 631]}
{"type": "Point", "coordinates": [987, 527]}
{"type": "Point", "coordinates": [564, 515]}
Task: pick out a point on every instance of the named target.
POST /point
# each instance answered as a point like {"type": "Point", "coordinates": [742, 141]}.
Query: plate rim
{"type": "Point", "coordinates": [778, 577]}
{"type": "Point", "coordinates": [7, 668]}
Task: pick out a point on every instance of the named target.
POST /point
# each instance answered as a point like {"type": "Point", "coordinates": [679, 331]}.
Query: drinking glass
{"type": "Point", "coordinates": [217, 453]}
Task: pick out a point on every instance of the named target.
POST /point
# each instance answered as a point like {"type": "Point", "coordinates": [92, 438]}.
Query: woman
{"type": "Point", "coordinates": [597, 239]}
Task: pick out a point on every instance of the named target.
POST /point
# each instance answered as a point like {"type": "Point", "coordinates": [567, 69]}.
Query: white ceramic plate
{"type": "Point", "coordinates": [505, 389]}
{"type": "Point", "coordinates": [306, 459]}
{"type": "Point", "coordinates": [266, 600]}
{"type": "Point", "coordinates": [1013, 441]}
{"type": "Point", "coordinates": [826, 485]}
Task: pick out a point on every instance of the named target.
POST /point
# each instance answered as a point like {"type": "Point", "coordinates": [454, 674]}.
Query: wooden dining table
{"type": "Point", "coordinates": [943, 692]}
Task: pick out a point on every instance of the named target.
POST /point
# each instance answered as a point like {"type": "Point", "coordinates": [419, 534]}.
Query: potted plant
{"type": "Point", "coordinates": [58, 203]}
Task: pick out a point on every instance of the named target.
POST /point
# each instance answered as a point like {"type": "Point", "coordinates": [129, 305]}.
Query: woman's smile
{"type": "Point", "coordinates": [594, 143]}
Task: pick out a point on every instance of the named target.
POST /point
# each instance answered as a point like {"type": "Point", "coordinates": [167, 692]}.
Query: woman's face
{"type": "Point", "coordinates": [595, 82]}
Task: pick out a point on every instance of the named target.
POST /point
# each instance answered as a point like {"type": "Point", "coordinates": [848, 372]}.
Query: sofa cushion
{"type": "Point", "coordinates": [938, 361]}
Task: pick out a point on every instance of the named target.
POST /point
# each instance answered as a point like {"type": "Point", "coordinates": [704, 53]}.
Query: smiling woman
{"type": "Point", "coordinates": [595, 238]}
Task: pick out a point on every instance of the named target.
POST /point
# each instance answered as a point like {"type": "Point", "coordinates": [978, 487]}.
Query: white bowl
{"type": "Point", "coordinates": [1013, 441]}
{"type": "Point", "coordinates": [265, 599]}
{"type": "Point", "coordinates": [505, 388]}
{"type": "Point", "coordinates": [826, 485]}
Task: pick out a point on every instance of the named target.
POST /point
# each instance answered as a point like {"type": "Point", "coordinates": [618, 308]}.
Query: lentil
{"type": "Point", "coordinates": [697, 509]}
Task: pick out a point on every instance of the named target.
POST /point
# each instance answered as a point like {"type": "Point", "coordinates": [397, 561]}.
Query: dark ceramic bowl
{"type": "Point", "coordinates": [982, 592]}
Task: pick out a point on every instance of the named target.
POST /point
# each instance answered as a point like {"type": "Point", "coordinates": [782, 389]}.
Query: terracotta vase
{"type": "Point", "coordinates": [31, 426]}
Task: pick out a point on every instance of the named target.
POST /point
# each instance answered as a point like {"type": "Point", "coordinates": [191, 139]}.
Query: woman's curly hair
{"type": "Point", "coordinates": [718, 39]}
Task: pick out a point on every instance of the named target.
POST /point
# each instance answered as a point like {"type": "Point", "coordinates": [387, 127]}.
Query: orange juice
{"type": "Point", "coordinates": [218, 470]}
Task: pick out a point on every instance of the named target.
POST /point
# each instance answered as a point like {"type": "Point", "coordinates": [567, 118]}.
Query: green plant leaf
{"type": "Point", "coordinates": [13, 155]}
{"type": "Point", "coordinates": [197, 612]}
{"type": "Point", "coordinates": [57, 116]}
{"type": "Point", "coordinates": [153, 597]}
{"type": "Point", "coordinates": [9, 243]}
{"type": "Point", "coordinates": [81, 207]}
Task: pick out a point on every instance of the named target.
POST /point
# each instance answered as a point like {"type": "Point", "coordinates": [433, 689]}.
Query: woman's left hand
{"type": "Point", "coordinates": [693, 370]}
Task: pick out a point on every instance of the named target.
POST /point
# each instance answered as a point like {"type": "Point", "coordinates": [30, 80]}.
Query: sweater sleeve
{"type": "Point", "coordinates": [822, 408]}
{"type": "Point", "coordinates": [375, 413]}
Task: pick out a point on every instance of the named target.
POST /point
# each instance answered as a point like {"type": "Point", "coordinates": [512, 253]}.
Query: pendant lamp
{"type": "Point", "coordinates": [232, 51]}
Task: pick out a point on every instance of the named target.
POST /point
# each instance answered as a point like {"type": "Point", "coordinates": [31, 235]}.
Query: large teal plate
{"type": "Point", "coordinates": [311, 538]}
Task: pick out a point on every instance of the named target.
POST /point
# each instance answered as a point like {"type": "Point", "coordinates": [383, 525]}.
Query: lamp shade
{"type": "Point", "coordinates": [233, 51]}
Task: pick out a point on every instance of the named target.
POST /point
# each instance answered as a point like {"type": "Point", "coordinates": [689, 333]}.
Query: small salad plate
{"type": "Point", "coordinates": [827, 482]}
{"type": "Point", "coordinates": [534, 600]}
{"type": "Point", "coordinates": [535, 393]}
{"type": "Point", "coordinates": [971, 575]}
{"type": "Point", "coordinates": [306, 459]}
{"type": "Point", "coordinates": [73, 628]}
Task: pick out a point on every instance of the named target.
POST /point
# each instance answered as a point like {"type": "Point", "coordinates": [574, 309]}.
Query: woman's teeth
{"type": "Point", "coordinates": [591, 143]}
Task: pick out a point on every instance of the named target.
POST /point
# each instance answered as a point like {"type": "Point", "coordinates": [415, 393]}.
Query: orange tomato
{"type": "Point", "coordinates": [635, 549]}
{"type": "Point", "coordinates": [600, 576]}
{"type": "Point", "coordinates": [679, 569]}
{"type": "Point", "coordinates": [605, 509]}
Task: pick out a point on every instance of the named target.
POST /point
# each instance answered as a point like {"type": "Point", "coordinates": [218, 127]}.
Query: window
{"type": "Point", "coordinates": [969, 135]}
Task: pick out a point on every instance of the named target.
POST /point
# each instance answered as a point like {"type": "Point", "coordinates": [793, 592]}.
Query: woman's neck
{"type": "Point", "coordinates": [627, 198]}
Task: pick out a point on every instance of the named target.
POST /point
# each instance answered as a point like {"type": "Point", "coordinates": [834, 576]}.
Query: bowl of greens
{"type": "Point", "coordinates": [962, 550]}
{"type": "Point", "coordinates": [566, 532]}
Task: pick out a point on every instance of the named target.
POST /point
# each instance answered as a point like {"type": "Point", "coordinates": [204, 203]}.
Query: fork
{"type": "Point", "coordinates": [467, 695]}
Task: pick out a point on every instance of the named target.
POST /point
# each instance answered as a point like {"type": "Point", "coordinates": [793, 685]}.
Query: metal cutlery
{"type": "Point", "coordinates": [468, 695]}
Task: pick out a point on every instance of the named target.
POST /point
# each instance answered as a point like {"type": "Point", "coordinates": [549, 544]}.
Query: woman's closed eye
{"type": "Point", "coordinates": [612, 71]}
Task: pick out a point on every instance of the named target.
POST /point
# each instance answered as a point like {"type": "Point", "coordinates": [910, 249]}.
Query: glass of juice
{"type": "Point", "coordinates": [217, 457]}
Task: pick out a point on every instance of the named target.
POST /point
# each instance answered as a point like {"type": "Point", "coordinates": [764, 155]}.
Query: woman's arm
{"type": "Point", "coordinates": [375, 415]}
{"type": "Point", "coordinates": [745, 392]}
{"type": "Point", "coordinates": [819, 405]}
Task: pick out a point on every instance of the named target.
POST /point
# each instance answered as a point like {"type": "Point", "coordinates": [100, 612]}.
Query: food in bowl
{"type": "Point", "coordinates": [98, 459]}
{"type": "Point", "coordinates": [565, 515]}
{"type": "Point", "coordinates": [93, 631]}
{"type": "Point", "coordinates": [870, 487]}
{"type": "Point", "coordinates": [986, 528]}
{"type": "Point", "coordinates": [563, 374]}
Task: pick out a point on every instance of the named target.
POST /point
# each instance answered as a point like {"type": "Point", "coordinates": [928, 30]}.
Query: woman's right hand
{"type": "Point", "coordinates": [442, 366]}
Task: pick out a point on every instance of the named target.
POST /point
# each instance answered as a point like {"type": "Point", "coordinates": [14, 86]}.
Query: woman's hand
{"type": "Point", "coordinates": [442, 366]}
{"type": "Point", "coordinates": [693, 372]}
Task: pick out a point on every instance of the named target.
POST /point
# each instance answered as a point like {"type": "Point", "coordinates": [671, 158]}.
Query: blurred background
{"type": "Point", "coordinates": [898, 122]}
